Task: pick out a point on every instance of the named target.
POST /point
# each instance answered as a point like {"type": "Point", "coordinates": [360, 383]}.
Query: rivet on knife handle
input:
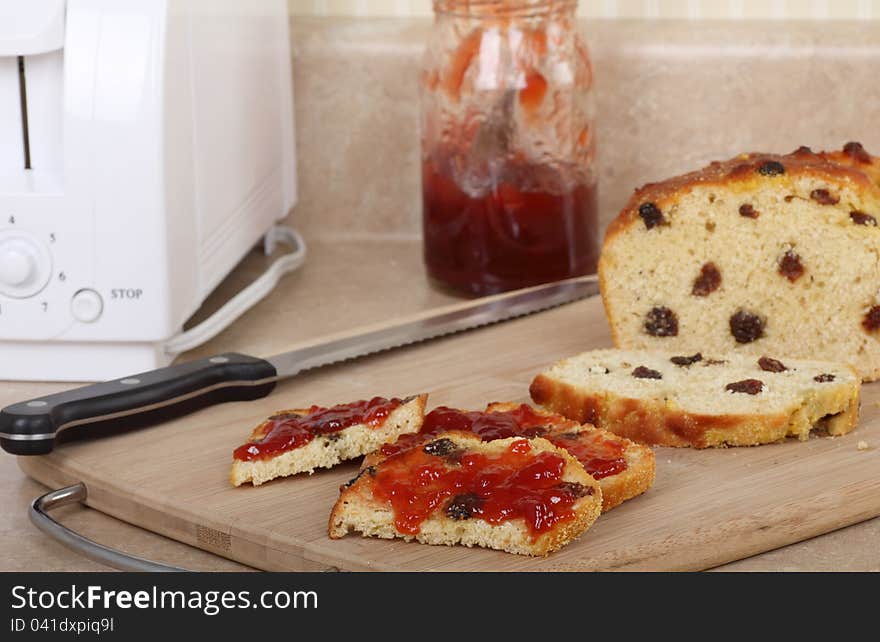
{"type": "Point", "coordinates": [31, 427]}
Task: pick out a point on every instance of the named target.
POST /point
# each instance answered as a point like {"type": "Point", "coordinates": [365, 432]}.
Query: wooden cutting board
{"type": "Point", "coordinates": [706, 507]}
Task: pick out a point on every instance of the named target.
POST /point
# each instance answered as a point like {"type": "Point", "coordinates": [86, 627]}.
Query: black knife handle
{"type": "Point", "coordinates": [31, 427]}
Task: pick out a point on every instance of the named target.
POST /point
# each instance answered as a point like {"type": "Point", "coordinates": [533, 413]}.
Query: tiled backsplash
{"type": "Point", "coordinates": [675, 9]}
{"type": "Point", "coordinates": [671, 97]}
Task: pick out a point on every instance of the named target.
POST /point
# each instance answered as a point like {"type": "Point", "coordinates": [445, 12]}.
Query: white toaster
{"type": "Point", "coordinates": [145, 147]}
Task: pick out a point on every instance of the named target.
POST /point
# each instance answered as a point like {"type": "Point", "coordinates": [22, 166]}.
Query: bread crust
{"type": "Point", "coordinates": [650, 421]}
{"type": "Point", "coordinates": [741, 173]}
{"type": "Point", "coordinates": [854, 155]}
{"type": "Point", "coordinates": [357, 510]}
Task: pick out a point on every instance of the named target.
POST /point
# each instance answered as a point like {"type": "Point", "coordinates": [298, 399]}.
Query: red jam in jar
{"type": "Point", "coordinates": [600, 456]}
{"type": "Point", "coordinates": [509, 237]}
{"type": "Point", "coordinates": [287, 431]}
{"type": "Point", "coordinates": [514, 484]}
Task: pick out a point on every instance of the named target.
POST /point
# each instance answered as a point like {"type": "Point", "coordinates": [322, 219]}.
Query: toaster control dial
{"type": "Point", "coordinates": [25, 265]}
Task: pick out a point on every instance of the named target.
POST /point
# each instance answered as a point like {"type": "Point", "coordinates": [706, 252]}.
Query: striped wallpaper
{"type": "Point", "coordinates": [694, 9]}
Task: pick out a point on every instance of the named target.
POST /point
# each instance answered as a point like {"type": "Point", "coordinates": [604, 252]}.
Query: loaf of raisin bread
{"type": "Point", "coordinates": [518, 495]}
{"type": "Point", "coordinates": [761, 254]}
{"type": "Point", "coordinates": [624, 469]}
{"type": "Point", "coordinates": [301, 440]}
{"type": "Point", "coordinates": [701, 400]}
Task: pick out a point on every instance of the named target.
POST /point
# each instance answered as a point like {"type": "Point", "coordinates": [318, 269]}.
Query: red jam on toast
{"type": "Point", "coordinates": [287, 431]}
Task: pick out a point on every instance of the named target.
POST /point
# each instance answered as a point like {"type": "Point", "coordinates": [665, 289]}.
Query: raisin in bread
{"type": "Point", "coordinates": [297, 441]}
{"type": "Point", "coordinates": [701, 401]}
{"type": "Point", "coordinates": [760, 254]}
{"type": "Point", "coordinates": [624, 469]}
{"type": "Point", "coordinates": [518, 495]}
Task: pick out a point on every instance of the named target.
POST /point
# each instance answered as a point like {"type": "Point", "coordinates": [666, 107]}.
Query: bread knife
{"type": "Point", "coordinates": [32, 427]}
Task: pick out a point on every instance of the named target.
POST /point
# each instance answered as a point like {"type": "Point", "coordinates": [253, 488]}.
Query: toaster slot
{"type": "Point", "coordinates": [31, 112]}
{"type": "Point", "coordinates": [32, 37]}
{"type": "Point", "coordinates": [22, 96]}
{"type": "Point", "coordinates": [42, 87]}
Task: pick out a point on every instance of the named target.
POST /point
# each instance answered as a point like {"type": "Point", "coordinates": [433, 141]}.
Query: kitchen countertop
{"type": "Point", "coordinates": [391, 272]}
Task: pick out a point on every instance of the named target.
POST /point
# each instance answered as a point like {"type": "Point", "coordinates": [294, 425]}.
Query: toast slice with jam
{"type": "Point", "coordinates": [624, 469]}
{"type": "Point", "coordinates": [523, 496]}
{"type": "Point", "coordinates": [296, 441]}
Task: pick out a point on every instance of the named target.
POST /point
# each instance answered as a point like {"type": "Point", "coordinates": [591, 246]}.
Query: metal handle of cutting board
{"type": "Point", "coordinates": [75, 494]}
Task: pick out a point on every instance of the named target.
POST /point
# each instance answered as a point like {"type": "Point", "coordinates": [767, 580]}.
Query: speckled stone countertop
{"type": "Point", "coordinates": [672, 95]}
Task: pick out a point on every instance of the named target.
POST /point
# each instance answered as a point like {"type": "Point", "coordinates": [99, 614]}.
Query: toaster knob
{"type": "Point", "coordinates": [25, 265]}
{"type": "Point", "coordinates": [16, 266]}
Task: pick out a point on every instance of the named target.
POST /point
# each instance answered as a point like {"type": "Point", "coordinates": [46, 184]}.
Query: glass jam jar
{"type": "Point", "coordinates": [509, 183]}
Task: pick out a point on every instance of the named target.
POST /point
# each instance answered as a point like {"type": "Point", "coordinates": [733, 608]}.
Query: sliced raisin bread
{"type": "Point", "coordinates": [760, 254]}
{"type": "Point", "coordinates": [517, 495]}
{"type": "Point", "coordinates": [624, 469]}
{"type": "Point", "coordinates": [701, 400]}
{"type": "Point", "coordinates": [297, 441]}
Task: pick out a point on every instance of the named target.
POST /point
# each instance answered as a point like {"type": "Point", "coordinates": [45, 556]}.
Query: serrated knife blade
{"type": "Point", "coordinates": [31, 427]}
{"type": "Point", "coordinates": [435, 323]}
